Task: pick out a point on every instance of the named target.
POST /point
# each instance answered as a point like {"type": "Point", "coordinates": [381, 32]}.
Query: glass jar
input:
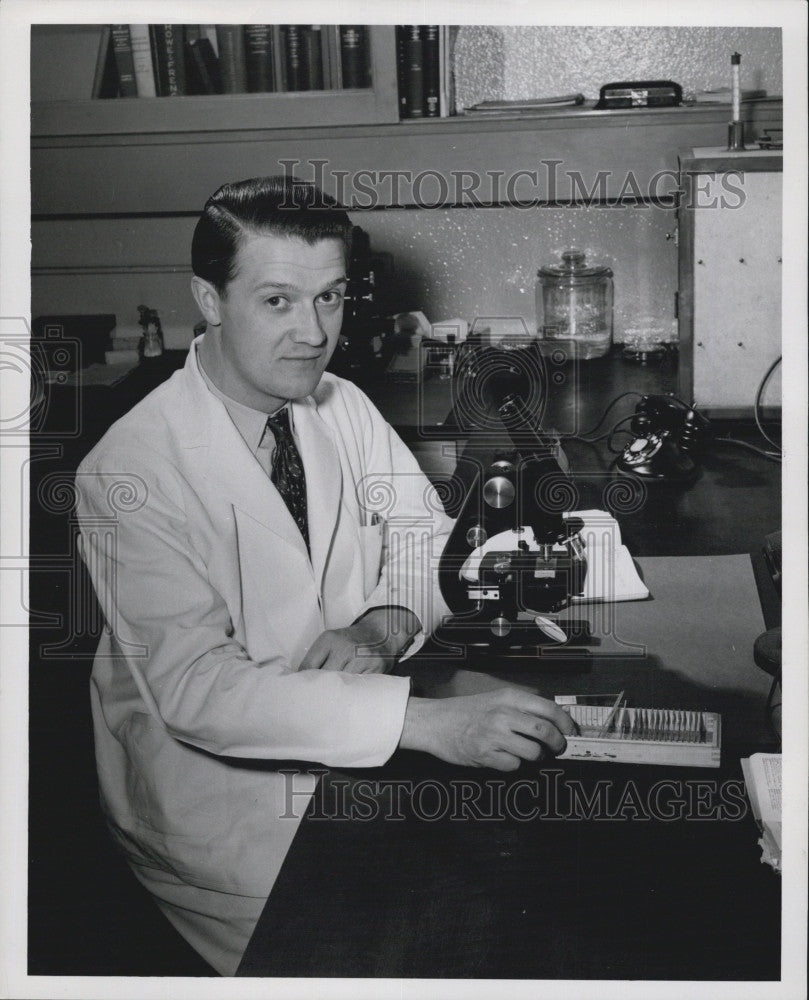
{"type": "Point", "coordinates": [574, 306]}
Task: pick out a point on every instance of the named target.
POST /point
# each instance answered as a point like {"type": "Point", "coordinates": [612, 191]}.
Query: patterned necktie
{"type": "Point", "coordinates": [287, 471]}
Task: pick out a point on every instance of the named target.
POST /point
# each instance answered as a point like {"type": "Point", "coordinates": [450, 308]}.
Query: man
{"type": "Point", "coordinates": [233, 525]}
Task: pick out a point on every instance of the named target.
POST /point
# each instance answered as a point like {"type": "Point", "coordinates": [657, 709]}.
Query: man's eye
{"type": "Point", "coordinates": [332, 297]}
{"type": "Point", "coordinates": [276, 301]}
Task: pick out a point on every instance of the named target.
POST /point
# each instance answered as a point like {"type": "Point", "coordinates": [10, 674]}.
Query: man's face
{"type": "Point", "coordinates": [281, 317]}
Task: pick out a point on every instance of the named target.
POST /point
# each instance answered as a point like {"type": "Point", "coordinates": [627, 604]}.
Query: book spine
{"type": "Point", "coordinates": [103, 84]}
{"type": "Point", "coordinates": [312, 57]}
{"type": "Point", "coordinates": [292, 57]}
{"type": "Point", "coordinates": [279, 64]}
{"type": "Point", "coordinates": [443, 64]}
{"type": "Point", "coordinates": [352, 54]}
{"type": "Point", "coordinates": [169, 59]}
{"type": "Point", "coordinates": [328, 73]}
{"type": "Point", "coordinates": [258, 58]}
{"type": "Point", "coordinates": [231, 58]}
{"type": "Point", "coordinates": [122, 47]}
{"type": "Point", "coordinates": [142, 59]}
{"type": "Point", "coordinates": [414, 71]}
{"type": "Point", "coordinates": [432, 71]}
{"type": "Point", "coordinates": [209, 31]}
{"type": "Point", "coordinates": [401, 78]}
{"type": "Point", "coordinates": [333, 41]}
{"type": "Point", "coordinates": [203, 67]}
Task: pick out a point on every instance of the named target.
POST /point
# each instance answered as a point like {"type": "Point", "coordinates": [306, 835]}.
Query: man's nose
{"type": "Point", "coordinates": [309, 329]}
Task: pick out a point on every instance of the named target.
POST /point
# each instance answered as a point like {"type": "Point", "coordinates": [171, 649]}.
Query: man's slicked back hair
{"type": "Point", "coordinates": [275, 206]}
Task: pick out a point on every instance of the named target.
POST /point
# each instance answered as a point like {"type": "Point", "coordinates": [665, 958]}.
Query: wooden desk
{"type": "Point", "coordinates": [437, 883]}
{"type": "Point", "coordinates": [460, 873]}
{"type": "Point", "coordinates": [410, 891]}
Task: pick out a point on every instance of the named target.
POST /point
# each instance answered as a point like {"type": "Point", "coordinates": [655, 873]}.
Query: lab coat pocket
{"type": "Point", "coordinates": [372, 538]}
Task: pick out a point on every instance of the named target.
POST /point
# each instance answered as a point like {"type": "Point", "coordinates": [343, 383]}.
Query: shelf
{"type": "Point", "coordinates": [173, 172]}
{"type": "Point", "coordinates": [172, 116]}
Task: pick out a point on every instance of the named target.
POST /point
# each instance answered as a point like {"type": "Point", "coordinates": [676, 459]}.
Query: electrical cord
{"type": "Point", "coordinates": [770, 708]}
{"type": "Point", "coordinates": [772, 456]}
{"type": "Point", "coordinates": [757, 408]}
{"type": "Point", "coordinates": [616, 428]}
{"type": "Point", "coordinates": [585, 435]}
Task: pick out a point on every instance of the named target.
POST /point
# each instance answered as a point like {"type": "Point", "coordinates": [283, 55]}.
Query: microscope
{"type": "Point", "coordinates": [514, 559]}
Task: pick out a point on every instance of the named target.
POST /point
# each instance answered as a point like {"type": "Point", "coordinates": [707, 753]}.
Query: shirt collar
{"type": "Point", "coordinates": [250, 423]}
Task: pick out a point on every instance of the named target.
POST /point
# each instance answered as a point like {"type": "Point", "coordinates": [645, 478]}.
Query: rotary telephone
{"type": "Point", "coordinates": [669, 434]}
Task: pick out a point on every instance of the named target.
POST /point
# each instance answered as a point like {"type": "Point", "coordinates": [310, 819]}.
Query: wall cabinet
{"type": "Point", "coordinates": [143, 116]}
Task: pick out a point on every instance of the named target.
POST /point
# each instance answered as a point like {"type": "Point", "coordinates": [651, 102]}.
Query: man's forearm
{"type": "Point", "coordinates": [391, 626]}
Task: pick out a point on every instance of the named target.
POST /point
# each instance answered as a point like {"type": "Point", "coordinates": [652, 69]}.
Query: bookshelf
{"type": "Point", "coordinates": [54, 116]}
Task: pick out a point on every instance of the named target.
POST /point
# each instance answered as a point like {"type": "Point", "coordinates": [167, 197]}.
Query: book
{"type": "Point", "coordinates": [293, 61]}
{"type": "Point", "coordinates": [202, 68]}
{"type": "Point", "coordinates": [232, 64]}
{"type": "Point", "coordinates": [446, 48]}
{"type": "Point", "coordinates": [325, 55]}
{"type": "Point", "coordinates": [332, 33]}
{"type": "Point", "coordinates": [105, 79]}
{"type": "Point", "coordinates": [209, 31]}
{"type": "Point", "coordinates": [352, 55]}
{"type": "Point", "coordinates": [401, 79]}
{"type": "Point", "coordinates": [414, 71]}
{"type": "Point", "coordinates": [312, 57]}
{"type": "Point", "coordinates": [431, 71]}
{"type": "Point", "coordinates": [259, 58]}
{"type": "Point", "coordinates": [762, 778]}
{"type": "Point", "coordinates": [168, 57]}
{"type": "Point", "coordinates": [279, 64]}
{"type": "Point", "coordinates": [142, 60]}
{"type": "Point", "coordinates": [122, 48]}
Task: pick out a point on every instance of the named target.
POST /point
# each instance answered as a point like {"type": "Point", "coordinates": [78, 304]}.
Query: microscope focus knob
{"type": "Point", "coordinates": [499, 492]}
{"type": "Point", "coordinates": [476, 536]}
{"type": "Point", "coordinates": [500, 626]}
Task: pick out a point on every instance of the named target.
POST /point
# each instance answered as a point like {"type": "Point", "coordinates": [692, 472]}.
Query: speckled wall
{"type": "Point", "coordinates": [521, 62]}
{"type": "Point", "coordinates": [457, 262]}
{"type": "Point", "coordinates": [447, 262]}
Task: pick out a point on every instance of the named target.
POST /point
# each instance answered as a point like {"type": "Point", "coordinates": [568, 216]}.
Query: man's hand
{"type": "Point", "coordinates": [496, 729]}
{"type": "Point", "coordinates": [371, 645]}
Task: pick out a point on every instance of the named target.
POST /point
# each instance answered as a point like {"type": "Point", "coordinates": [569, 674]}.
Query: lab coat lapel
{"type": "Point", "coordinates": [324, 481]}
{"type": "Point", "coordinates": [228, 461]}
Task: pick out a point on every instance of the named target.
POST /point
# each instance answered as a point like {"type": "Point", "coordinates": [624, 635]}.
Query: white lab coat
{"type": "Point", "coordinates": [211, 602]}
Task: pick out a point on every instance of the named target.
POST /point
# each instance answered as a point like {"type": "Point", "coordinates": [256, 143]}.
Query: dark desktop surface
{"type": "Point", "coordinates": [87, 915]}
{"type": "Point", "coordinates": [565, 871]}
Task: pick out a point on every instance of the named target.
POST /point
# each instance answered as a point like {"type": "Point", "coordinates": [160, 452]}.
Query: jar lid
{"type": "Point", "coordinates": [573, 266]}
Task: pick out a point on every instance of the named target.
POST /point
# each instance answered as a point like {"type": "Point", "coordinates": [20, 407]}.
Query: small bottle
{"type": "Point", "coordinates": [151, 341]}
{"type": "Point", "coordinates": [574, 306]}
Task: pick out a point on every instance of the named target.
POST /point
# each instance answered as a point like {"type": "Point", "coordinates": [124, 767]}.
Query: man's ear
{"type": "Point", "coordinates": [207, 298]}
